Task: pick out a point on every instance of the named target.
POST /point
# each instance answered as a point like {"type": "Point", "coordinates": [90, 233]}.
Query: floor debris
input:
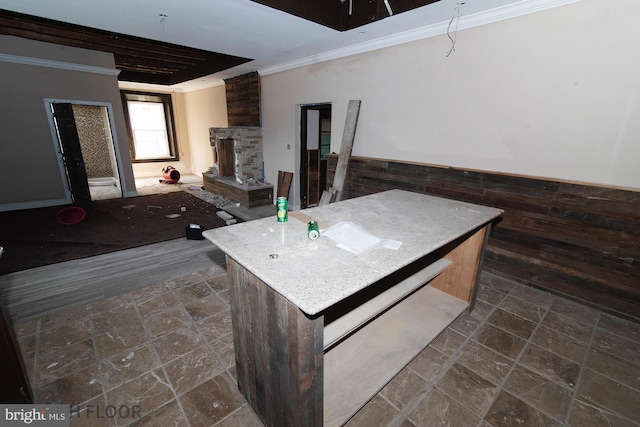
{"type": "Point", "coordinates": [224, 215]}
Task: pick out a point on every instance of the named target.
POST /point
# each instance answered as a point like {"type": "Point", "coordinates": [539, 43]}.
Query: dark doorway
{"type": "Point", "coordinates": [315, 144]}
{"type": "Point", "coordinates": [71, 153]}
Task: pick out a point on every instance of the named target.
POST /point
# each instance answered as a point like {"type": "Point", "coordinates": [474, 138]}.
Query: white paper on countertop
{"type": "Point", "coordinates": [392, 244]}
{"type": "Point", "coordinates": [352, 237]}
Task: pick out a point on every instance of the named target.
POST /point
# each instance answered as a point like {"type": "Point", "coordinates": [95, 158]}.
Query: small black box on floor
{"type": "Point", "coordinates": [194, 232]}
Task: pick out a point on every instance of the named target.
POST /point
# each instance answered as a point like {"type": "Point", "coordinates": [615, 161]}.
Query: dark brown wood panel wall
{"type": "Point", "coordinates": [577, 240]}
{"type": "Point", "coordinates": [275, 344]}
{"type": "Point", "coordinates": [243, 100]}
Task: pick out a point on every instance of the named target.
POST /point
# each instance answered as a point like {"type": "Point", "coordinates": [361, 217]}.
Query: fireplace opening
{"type": "Point", "coordinates": [226, 158]}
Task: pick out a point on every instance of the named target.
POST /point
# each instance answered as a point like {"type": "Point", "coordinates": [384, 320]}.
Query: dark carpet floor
{"type": "Point", "coordinates": [34, 237]}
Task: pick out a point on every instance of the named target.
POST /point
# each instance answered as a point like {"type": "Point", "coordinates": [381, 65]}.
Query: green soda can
{"type": "Point", "coordinates": [313, 232]}
{"type": "Point", "coordinates": [283, 210]}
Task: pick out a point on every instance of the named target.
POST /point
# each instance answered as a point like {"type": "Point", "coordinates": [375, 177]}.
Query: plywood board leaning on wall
{"type": "Point", "coordinates": [335, 192]}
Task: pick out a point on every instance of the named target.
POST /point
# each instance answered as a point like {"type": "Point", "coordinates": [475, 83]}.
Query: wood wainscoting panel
{"type": "Point", "coordinates": [577, 240]}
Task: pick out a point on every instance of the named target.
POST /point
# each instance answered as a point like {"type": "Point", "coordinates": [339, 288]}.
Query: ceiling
{"type": "Point", "coordinates": [196, 43]}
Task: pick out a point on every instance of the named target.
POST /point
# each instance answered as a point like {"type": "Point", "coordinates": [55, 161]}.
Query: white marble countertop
{"type": "Point", "coordinates": [315, 274]}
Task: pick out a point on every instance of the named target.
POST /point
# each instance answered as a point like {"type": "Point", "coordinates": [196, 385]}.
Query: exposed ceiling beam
{"type": "Point", "coordinates": [140, 60]}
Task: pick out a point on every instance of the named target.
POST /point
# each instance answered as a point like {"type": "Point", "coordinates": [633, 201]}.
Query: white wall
{"type": "Point", "coordinates": [32, 174]}
{"type": "Point", "coordinates": [553, 94]}
{"type": "Point", "coordinates": [204, 109]}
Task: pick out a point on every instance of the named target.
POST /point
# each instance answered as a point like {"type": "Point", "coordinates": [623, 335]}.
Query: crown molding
{"type": "Point", "coordinates": [509, 11]}
{"type": "Point", "coordinates": [48, 63]}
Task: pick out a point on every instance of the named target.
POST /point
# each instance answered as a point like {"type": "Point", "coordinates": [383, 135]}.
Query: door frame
{"type": "Point", "coordinates": [302, 148]}
{"type": "Point", "coordinates": [56, 143]}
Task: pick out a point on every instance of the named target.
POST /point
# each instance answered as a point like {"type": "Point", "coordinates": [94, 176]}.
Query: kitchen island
{"type": "Point", "coordinates": [319, 330]}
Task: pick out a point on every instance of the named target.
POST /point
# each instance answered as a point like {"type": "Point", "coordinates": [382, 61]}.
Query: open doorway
{"type": "Point", "coordinates": [315, 144]}
{"type": "Point", "coordinates": [87, 152]}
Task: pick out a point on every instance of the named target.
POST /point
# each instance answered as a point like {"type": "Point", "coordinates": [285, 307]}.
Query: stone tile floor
{"type": "Point", "coordinates": [163, 356]}
{"type": "Point", "coordinates": [146, 186]}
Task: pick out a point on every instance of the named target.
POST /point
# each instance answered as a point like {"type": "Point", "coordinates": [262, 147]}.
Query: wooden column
{"type": "Point", "coordinates": [340, 175]}
{"type": "Point", "coordinates": [279, 353]}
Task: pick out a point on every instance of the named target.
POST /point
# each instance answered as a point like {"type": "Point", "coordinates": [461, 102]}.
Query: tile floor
{"type": "Point", "coordinates": [145, 186]}
{"type": "Point", "coordinates": [163, 356]}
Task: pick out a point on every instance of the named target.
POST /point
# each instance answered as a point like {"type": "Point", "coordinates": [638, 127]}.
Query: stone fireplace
{"type": "Point", "coordinates": [247, 149]}
{"type": "Point", "coordinates": [237, 172]}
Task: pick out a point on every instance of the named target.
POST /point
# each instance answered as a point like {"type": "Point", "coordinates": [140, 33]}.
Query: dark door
{"type": "Point", "coordinates": [315, 142]}
{"type": "Point", "coordinates": [71, 154]}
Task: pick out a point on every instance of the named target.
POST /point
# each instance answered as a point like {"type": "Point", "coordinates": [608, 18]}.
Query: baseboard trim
{"type": "Point", "coordinates": [33, 204]}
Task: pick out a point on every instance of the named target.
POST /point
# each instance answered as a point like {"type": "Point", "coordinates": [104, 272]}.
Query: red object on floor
{"type": "Point", "coordinates": [70, 215]}
{"type": "Point", "coordinates": [171, 175]}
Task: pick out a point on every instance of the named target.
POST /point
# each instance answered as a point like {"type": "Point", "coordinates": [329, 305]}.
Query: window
{"type": "Point", "coordinates": [150, 125]}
